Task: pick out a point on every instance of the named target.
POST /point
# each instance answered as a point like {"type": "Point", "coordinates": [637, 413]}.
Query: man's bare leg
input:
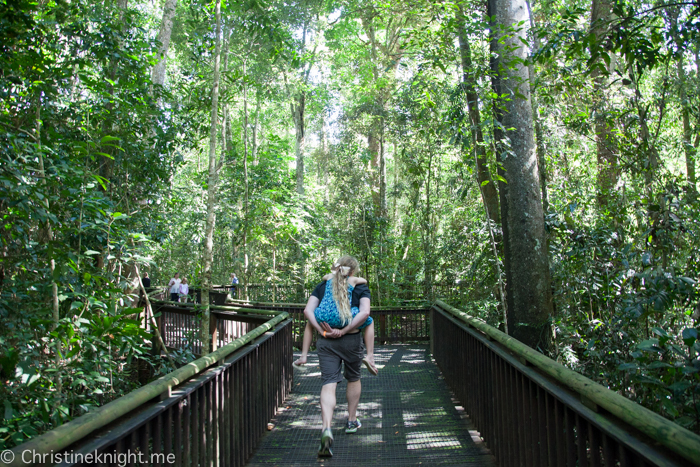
{"type": "Point", "coordinates": [353, 393]}
{"type": "Point", "coordinates": [328, 403]}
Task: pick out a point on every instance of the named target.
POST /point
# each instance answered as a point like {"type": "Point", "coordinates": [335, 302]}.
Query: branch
{"type": "Point", "coordinates": [153, 321]}
{"type": "Point", "coordinates": [20, 130]}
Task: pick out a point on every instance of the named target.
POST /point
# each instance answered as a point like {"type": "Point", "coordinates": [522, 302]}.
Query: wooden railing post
{"type": "Point", "coordinates": [382, 329]}
{"type": "Point", "coordinates": [214, 331]}
{"type": "Point", "coordinates": [155, 348]}
{"type": "Point", "coordinates": [431, 317]}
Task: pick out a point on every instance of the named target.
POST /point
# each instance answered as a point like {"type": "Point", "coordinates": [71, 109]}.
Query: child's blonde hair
{"type": "Point", "coordinates": [345, 267]}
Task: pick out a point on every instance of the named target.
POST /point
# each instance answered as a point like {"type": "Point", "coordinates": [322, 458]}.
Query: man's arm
{"type": "Point", "coordinates": [360, 318]}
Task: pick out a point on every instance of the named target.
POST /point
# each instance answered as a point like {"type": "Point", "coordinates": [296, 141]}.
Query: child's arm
{"type": "Point", "coordinates": [355, 281]}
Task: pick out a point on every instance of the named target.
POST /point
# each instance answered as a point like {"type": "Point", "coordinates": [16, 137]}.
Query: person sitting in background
{"type": "Point", "coordinates": [174, 285]}
{"type": "Point", "coordinates": [146, 281]}
{"type": "Point", "coordinates": [234, 284]}
{"type": "Point", "coordinates": [184, 290]}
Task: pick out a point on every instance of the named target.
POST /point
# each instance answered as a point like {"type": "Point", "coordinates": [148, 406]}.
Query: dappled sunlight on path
{"type": "Point", "coordinates": [407, 413]}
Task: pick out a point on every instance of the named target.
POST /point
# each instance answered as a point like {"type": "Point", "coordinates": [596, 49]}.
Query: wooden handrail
{"type": "Point", "coordinates": [63, 436]}
{"type": "Point", "coordinates": [302, 305]}
{"type": "Point", "coordinates": [218, 307]}
{"type": "Point", "coordinates": [681, 441]}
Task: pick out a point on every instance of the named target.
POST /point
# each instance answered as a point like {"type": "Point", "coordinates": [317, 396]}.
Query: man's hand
{"type": "Point", "coordinates": [331, 333]}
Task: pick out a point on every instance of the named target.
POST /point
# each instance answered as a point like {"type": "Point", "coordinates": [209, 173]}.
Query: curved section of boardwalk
{"type": "Point", "coordinates": [407, 412]}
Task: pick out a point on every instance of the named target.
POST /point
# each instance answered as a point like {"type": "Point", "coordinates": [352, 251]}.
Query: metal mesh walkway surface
{"type": "Point", "coordinates": [408, 417]}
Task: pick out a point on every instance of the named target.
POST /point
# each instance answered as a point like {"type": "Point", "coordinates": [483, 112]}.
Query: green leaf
{"type": "Point", "coordinates": [670, 408]}
{"type": "Point", "coordinates": [690, 335]}
{"type": "Point", "coordinates": [679, 386]}
{"type": "Point", "coordinates": [655, 365]}
{"type": "Point", "coordinates": [92, 252]}
{"type": "Point", "coordinates": [108, 138]}
{"type": "Point", "coordinates": [649, 345]}
{"type": "Point", "coordinates": [33, 379]}
{"type": "Point", "coordinates": [8, 410]}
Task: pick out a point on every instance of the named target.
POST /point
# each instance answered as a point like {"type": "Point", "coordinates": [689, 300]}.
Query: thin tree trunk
{"type": "Point", "coordinates": [483, 175]}
{"type": "Point", "coordinates": [427, 251]}
{"type": "Point", "coordinates": [254, 142]}
{"type": "Point", "coordinates": [688, 147]}
{"type": "Point", "coordinates": [382, 173]}
{"type": "Point", "coordinates": [687, 130]}
{"type": "Point", "coordinates": [211, 192]}
{"type": "Point", "coordinates": [47, 235]}
{"type": "Point", "coordinates": [528, 294]}
{"type": "Point", "coordinates": [396, 182]}
{"type": "Point", "coordinates": [106, 169]}
{"type": "Point", "coordinates": [608, 173]}
{"type": "Point", "coordinates": [229, 134]}
{"type": "Point", "coordinates": [300, 142]}
{"type": "Point", "coordinates": [539, 135]}
{"type": "Point", "coordinates": [166, 29]}
{"type": "Point", "coordinates": [245, 176]}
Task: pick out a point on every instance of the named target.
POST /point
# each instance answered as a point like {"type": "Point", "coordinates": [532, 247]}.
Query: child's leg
{"type": "Point", "coordinates": [369, 343]}
{"type": "Point", "coordinates": [306, 344]}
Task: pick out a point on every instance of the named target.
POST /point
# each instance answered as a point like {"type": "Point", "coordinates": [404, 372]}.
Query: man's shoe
{"type": "Point", "coordinates": [326, 442]}
{"type": "Point", "coordinates": [352, 427]}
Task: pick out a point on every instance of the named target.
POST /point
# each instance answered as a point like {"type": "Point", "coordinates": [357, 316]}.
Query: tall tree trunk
{"type": "Point", "coordinates": [382, 173]}
{"type": "Point", "coordinates": [689, 149]}
{"type": "Point", "coordinates": [397, 165]}
{"type": "Point", "coordinates": [687, 129]}
{"type": "Point", "coordinates": [245, 176]}
{"type": "Point", "coordinates": [46, 234]}
{"type": "Point", "coordinates": [373, 149]}
{"type": "Point", "coordinates": [427, 244]}
{"type": "Point", "coordinates": [483, 175]}
{"type": "Point", "coordinates": [608, 172]}
{"type": "Point", "coordinates": [376, 126]}
{"type": "Point", "coordinates": [212, 180]}
{"type": "Point", "coordinates": [106, 169]}
{"type": "Point", "coordinates": [166, 29]}
{"type": "Point", "coordinates": [254, 140]}
{"type": "Point", "coordinates": [529, 294]}
{"type": "Point", "coordinates": [228, 141]}
{"type": "Point", "coordinates": [539, 134]}
{"type": "Point", "coordinates": [298, 117]}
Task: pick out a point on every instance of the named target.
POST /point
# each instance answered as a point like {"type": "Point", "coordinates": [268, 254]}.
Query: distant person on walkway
{"type": "Point", "coordinates": [329, 311]}
{"type": "Point", "coordinates": [184, 290]}
{"type": "Point", "coordinates": [174, 285]}
{"type": "Point", "coordinates": [234, 285]}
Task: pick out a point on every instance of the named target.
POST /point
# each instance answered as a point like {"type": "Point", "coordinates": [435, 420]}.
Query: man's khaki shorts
{"type": "Point", "coordinates": [331, 352]}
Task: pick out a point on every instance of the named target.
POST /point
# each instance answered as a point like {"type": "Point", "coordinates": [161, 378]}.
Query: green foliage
{"type": "Point", "coordinates": [389, 177]}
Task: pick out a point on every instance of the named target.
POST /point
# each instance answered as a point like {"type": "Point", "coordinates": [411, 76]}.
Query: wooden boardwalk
{"type": "Point", "coordinates": [408, 417]}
